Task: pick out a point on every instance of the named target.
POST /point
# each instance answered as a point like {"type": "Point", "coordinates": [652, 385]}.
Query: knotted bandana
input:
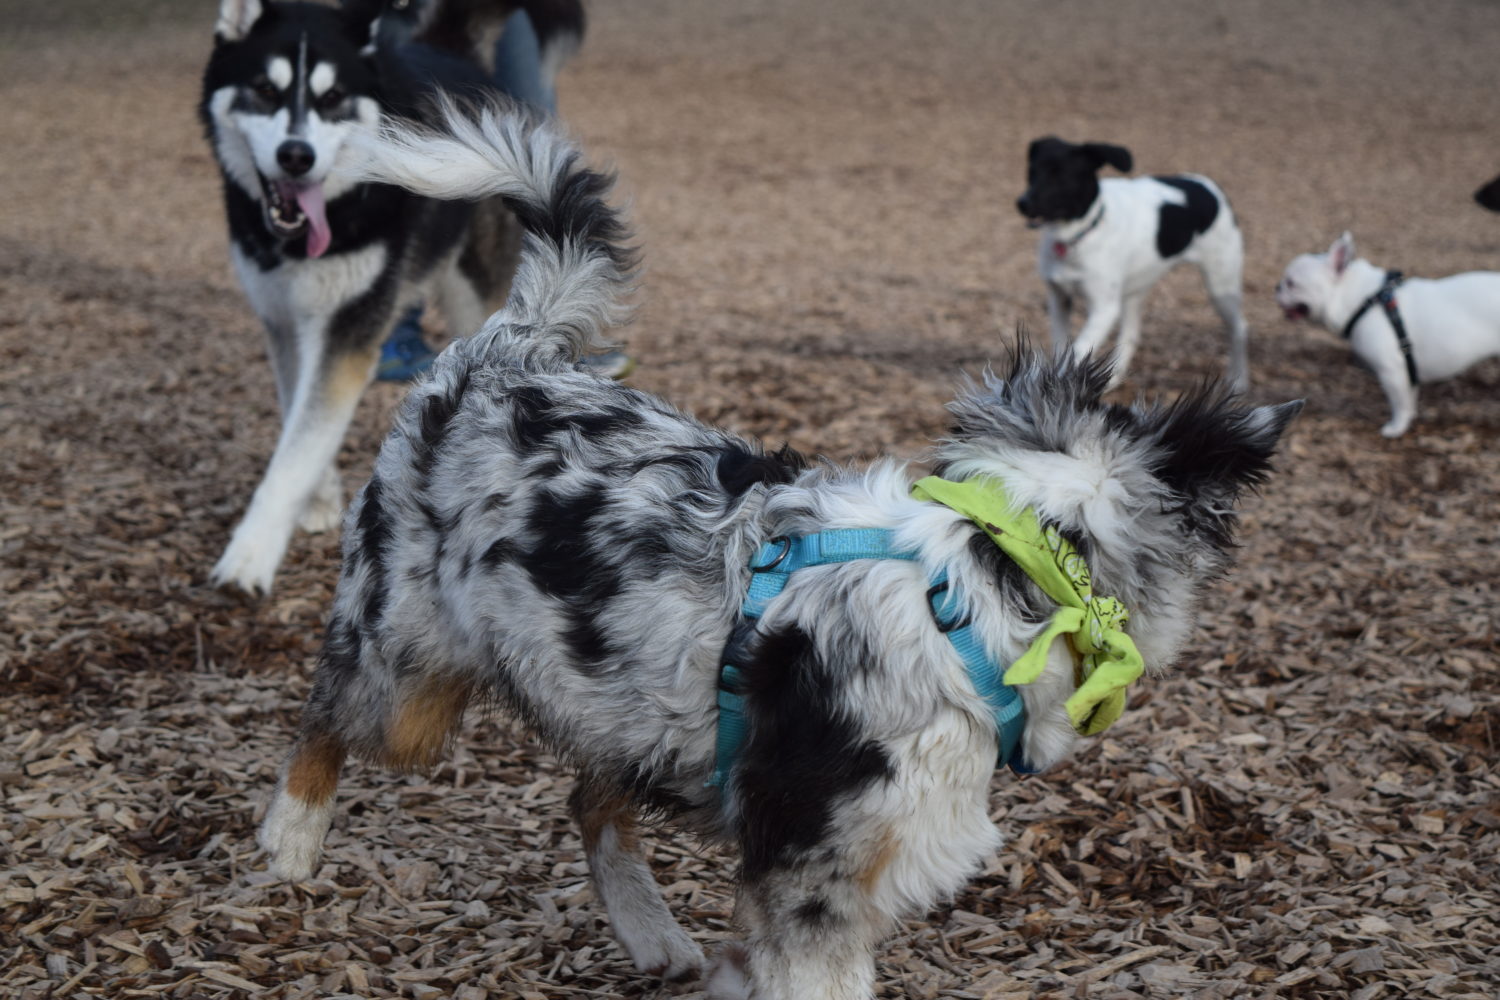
{"type": "Point", "coordinates": [1107, 657]}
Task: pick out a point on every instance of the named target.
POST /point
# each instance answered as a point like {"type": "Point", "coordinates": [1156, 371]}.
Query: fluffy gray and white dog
{"type": "Point", "coordinates": [578, 551]}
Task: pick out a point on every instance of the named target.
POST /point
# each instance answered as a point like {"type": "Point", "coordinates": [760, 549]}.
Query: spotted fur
{"type": "Point", "coordinates": [577, 550]}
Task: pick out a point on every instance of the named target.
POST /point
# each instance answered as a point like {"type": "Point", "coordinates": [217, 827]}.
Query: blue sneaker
{"type": "Point", "coordinates": [405, 355]}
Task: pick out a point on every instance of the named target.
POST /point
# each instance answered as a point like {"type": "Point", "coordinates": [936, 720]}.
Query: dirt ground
{"type": "Point", "coordinates": [1307, 807]}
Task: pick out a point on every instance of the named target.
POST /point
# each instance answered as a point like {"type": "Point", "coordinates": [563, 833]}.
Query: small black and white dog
{"type": "Point", "coordinates": [330, 263]}
{"type": "Point", "coordinates": [1109, 241]}
{"type": "Point", "coordinates": [578, 551]}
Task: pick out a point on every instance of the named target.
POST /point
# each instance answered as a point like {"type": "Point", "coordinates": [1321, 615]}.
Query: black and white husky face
{"type": "Point", "coordinates": [287, 85]}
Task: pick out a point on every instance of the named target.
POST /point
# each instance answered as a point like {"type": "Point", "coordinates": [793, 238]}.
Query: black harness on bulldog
{"type": "Point", "coordinates": [1386, 296]}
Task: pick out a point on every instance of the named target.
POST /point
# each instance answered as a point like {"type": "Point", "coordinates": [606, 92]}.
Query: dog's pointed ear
{"type": "Point", "coordinates": [362, 19]}
{"type": "Point", "coordinates": [1342, 252]}
{"type": "Point", "coordinates": [1209, 451]}
{"type": "Point", "coordinates": [1489, 195]}
{"type": "Point", "coordinates": [236, 18]}
{"type": "Point", "coordinates": [1103, 154]}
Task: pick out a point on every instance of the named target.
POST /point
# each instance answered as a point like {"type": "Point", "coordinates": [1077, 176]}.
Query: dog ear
{"type": "Point", "coordinates": [236, 18]}
{"type": "Point", "coordinates": [1489, 195]}
{"type": "Point", "coordinates": [1102, 154]}
{"type": "Point", "coordinates": [362, 19]}
{"type": "Point", "coordinates": [1342, 252]}
{"type": "Point", "coordinates": [1208, 451]}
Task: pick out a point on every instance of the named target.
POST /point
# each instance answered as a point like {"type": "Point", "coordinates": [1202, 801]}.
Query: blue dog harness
{"type": "Point", "coordinates": [771, 568]}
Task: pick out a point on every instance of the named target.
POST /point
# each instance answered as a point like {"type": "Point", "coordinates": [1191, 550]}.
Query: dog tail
{"type": "Point", "coordinates": [575, 269]}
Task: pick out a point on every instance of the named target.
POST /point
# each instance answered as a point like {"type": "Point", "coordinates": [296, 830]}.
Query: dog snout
{"type": "Point", "coordinates": [1023, 203]}
{"type": "Point", "coordinates": [296, 156]}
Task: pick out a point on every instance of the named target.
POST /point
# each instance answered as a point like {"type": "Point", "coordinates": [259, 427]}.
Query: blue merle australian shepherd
{"type": "Point", "coordinates": [580, 551]}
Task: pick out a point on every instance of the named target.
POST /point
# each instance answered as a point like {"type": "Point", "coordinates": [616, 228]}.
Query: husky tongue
{"type": "Point", "coordinates": [310, 200]}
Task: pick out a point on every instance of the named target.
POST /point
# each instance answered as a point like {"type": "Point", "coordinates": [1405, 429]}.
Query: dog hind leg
{"type": "Point", "coordinates": [302, 808]}
{"type": "Point", "coordinates": [1222, 275]}
{"type": "Point", "coordinates": [623, 881]}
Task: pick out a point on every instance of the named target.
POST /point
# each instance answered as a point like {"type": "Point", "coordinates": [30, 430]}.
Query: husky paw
{"type": "Point", "coordinates": [666, 952]}
{"type": "Point", "coordinates": [248, 567]}
{"type": "Point", "coordinates": [292, 833]}
{"type": "Point", "coordinates": [325, 507]}
{"type": "Point", "coordinates": [730, 978]}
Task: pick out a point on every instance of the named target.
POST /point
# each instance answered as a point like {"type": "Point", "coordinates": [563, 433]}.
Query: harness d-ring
{"type": "Point", "coordinates": [786, 550]}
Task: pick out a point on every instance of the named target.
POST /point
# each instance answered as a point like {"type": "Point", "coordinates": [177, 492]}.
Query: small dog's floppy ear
{"type": "Point", "coordinates": [1489, 195]}
{"type": "Point", "coordinates": [236, 18]}
{"type": "Point", "coordinates": [1209, 451]}
{"type": "Point", "coordinates": [1103, 154]}
{"type": "Point", "coordinates": [1342, 252]}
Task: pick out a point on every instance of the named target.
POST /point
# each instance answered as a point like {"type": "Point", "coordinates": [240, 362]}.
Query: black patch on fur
{"type": "Point", "coordinates": [803, 756]}
{"type": "Point", "coordinates": [578, 213]}
{"type": "Point", "coordinates": [438, 410]}
{"type": "Point", "coordinates": [1016, 587]}
{"type": "Point", "coordinates": [1179, 224]}
{"type": "Point", "coordinates": [567, 563]}
{"type": "Point", "coordinates": [814, 913]}
{"type": "Point", "coordinates": [374, 539]}
{"type": "Point", "coordinates": [739, 468]}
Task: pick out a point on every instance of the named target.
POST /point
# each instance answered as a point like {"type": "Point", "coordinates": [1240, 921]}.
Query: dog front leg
{"type": "Point", "coordinates": [623, 881]}
{"type": "Point", "coordinates": [1059, 315]}
{"type": "Point", "coordinates": [1104, 311]}
{"type": "Point", "coordinates": [1401, 395]}
{"type": "Point", "coordinates": [1130, 337]}
{"type": "Point", "coordinates": [321, 408]}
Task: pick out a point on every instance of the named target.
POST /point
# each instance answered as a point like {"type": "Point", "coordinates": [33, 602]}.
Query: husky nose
{"type": "Point", "coordinates": [296, 157]}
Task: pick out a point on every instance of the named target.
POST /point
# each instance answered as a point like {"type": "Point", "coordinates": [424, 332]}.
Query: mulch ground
{"type": "Point", "coordinates": [1307, 807]}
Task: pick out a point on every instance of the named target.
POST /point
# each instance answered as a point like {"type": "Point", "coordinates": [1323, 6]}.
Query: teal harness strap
{"type": "Point", "coordinates": [771, 567]}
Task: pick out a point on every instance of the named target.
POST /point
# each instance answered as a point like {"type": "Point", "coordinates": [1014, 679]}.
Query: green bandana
{"type": "Point", "coordinates": [1109, 659]}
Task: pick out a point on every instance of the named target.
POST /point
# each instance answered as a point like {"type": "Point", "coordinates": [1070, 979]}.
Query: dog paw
{"type": "Point", "coordinates": [666, 952]}
{"type": "Point", "coordinates": [730, 978]}
{"type": "Point", "coordinates": [248, 567]}
{"type": "Point", "coordinates": [325, 508]}
{"type": "Point", "coordinates": [1395, 428]}
{"type": "Point", "coordinates": [321, 515]}
{"type": "Point", "coordinates": [292, 834]}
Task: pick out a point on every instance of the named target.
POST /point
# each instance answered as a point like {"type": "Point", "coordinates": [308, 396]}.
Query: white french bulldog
{"type": "Point", "coordinates": [1448, 323]}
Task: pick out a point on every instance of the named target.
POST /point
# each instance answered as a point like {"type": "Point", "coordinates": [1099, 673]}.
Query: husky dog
{"type": "Point", "coordinates": [329, 263]}
{"type": "Point", "coordinates": [578, 551]}
{"type": "Point", "coordinates": [1405, 330]}
{"type": "Point", "coordinates": [1109, 241]}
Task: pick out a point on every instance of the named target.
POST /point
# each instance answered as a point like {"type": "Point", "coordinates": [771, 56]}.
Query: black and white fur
{"type": "Point", "coordinates": [1452, 323]}
{"type": "Point", "coordinates": [1109, 241]}
{"type": "Point", "coordinates": [577, 551]}
{"type": "Point", "coordinates": [330, 263]}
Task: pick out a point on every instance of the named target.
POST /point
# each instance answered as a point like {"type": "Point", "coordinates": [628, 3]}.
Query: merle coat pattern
{"type": "Point", "coordinates": [578, 550]}
{"type": "Point", "coordinates": [1109, 241]}
{"type": "Point", "coordinates": [329, 264]}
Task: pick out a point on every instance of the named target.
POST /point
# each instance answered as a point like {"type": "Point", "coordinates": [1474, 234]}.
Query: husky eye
{"type": "Point", "coordinates": [265, 89]}
{"type": "Point", "coordinates": [331, 98]}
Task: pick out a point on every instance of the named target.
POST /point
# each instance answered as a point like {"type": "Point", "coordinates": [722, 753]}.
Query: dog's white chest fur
{"type": "Point", "coordinates": [298, 291]}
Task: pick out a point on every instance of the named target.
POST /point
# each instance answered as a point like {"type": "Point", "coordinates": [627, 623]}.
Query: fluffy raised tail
{"type": "Point", "coordinates": [575, 268]}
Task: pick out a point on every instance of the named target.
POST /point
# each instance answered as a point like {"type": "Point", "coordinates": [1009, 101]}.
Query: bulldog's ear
{"type": "Point", "coordinates": [1342, 252]}
{"type": "Point", "coordinates": [236, 18]}
{"type": "Point", "coordinates": [1103, 154]}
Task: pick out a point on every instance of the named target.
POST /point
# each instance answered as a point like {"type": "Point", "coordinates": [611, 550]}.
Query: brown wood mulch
{"type": "Point", "coordinates": [1307, 806]}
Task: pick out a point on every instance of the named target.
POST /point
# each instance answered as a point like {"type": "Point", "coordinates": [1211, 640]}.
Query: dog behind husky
{"type": "Point", "coordinates": [330, 263]}
{"type": "Point", "coordinates": [579, 551]}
